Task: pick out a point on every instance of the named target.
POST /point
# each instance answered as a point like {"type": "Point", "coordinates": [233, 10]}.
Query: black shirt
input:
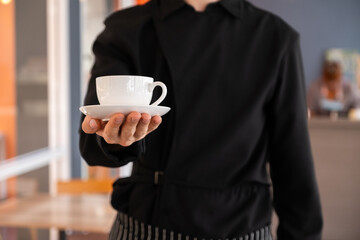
{"type": "Point", "coordinates": [236, 89]}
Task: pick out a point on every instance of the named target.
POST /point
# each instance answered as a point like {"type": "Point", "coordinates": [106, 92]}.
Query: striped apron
{"type": "Point", "coordinates": [127, 228]}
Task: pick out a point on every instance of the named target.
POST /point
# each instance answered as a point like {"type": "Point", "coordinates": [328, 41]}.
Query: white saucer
{"type": "Point", "coordinates": [105, 111]}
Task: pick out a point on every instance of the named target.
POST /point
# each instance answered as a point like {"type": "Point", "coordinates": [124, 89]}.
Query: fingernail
{"type": "Point", "coordinates": [118, 120]}
{"type": "Point", "coordinates": [146, 121]}
{"type": "Point", "coordinates": [134, 120]}
{"type": "Point", "coordinates": [93, 123]}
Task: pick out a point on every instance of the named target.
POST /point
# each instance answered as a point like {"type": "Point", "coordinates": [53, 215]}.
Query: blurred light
{"type": "Point", "coordinates": [6, 1]}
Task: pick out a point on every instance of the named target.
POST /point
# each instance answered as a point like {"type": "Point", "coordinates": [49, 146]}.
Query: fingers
{"type": "Point", "coordinates": [142, 126]}
{"type": "Point", "coordinates": [110, 133]}
{"type": "Point", "coordinates": [129, 128]}
{"type": "Point", "coordinates": [91, 125]}
{"type": "Point", "coordinates": [136, 127]}
{"type": "Point", "coordinates": [122, 130]}
{"type": "Point", "coordinates": [154, 124]}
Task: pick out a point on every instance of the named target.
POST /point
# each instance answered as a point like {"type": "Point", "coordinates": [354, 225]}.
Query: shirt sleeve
{"type": "Point", "coordinates": [295, 193]}
{"type": "Point", "coordinates": [111, 58]}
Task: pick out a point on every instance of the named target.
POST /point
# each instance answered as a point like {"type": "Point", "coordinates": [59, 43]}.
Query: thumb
{"type": "Point", "coordinates": [91, 125]}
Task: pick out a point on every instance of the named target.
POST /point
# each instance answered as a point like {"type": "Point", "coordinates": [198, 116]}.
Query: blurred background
{"type": "Point", "coordinates": [45, 58]}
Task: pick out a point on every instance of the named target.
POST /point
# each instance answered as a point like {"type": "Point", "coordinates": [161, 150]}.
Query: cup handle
{"type": "Point", "coordinates": [163, 94]}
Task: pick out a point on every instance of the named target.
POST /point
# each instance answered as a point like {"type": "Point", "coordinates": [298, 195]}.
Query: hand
{"type": "Point", "coordinates": [120, 129]}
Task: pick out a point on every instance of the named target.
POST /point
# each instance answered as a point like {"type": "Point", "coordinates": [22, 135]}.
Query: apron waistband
{"type": "Point", "coordinates": [127, 228]}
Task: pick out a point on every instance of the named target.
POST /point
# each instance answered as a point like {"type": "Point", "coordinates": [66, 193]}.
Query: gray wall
{"type": "Point", "coordinates": [31, 57]}
{"type": "Point", "coordinates": [31, 65]}
{"type": "Point", "coordinates": [75, 76]}
{"type": "Point", "coordinates": [30, 30]}
{"type": "Point", "coordinates": [322, 24]}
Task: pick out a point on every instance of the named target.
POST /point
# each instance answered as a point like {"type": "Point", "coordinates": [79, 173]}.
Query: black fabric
{"type": "Point", "coordinates": [126, 227]}
{"type": "Point", "coordinates": [236, 89]}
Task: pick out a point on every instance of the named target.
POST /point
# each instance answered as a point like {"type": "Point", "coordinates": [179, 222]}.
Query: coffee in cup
{"type": "Point", "coordinates": [128, 90]}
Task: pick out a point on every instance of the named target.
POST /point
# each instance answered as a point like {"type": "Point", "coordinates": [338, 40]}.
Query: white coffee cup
{"type": "Point", "coordinates": [128, 90]}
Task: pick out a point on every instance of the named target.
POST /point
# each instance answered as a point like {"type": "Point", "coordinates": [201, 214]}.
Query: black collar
{"type": "Point", "coordinates": [234, 7]}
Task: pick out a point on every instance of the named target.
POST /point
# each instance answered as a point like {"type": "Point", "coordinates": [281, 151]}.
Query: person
{"type": "Point", "coordinates": [331, 93]}
{"type": "Point", "coordinates": [237, 98]}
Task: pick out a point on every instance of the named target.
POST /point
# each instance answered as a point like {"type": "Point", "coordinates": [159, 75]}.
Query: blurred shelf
{"type": "Point", "coordinates": [333, 124]}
